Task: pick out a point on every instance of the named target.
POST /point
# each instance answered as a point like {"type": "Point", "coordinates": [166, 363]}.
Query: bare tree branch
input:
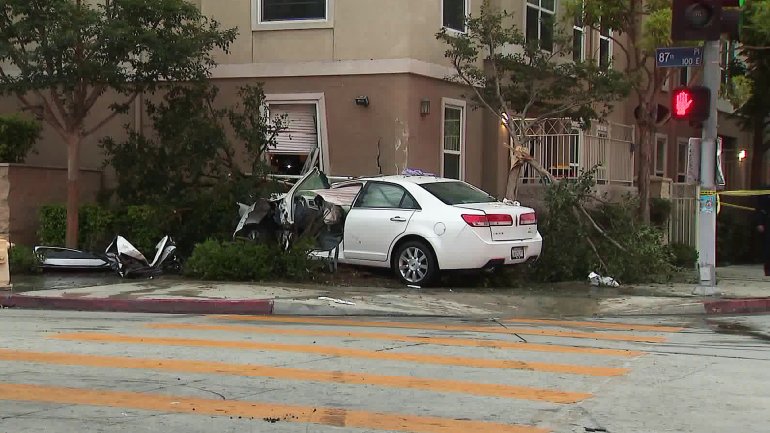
{"type": "Point", "coordinates": [108, 118]}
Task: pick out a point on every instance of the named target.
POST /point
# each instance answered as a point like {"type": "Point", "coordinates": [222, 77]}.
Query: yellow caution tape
{"type": "Point", "coordinates": [738, 206]}
{"type": "Point", "coordinates": [745, 193]}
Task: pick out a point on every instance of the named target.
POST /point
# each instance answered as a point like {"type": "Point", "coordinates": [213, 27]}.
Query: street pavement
{"type": "Point", "coordinates": [115, 372]}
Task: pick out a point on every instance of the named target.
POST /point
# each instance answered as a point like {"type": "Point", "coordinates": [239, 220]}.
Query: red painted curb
{"type": "Point", "coordinates": [167, 306]}
{"type": "Point", "coordinates": [737, 306]}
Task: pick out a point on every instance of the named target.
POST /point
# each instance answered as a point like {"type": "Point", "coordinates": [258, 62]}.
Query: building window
{"type": "Point", "coordinates": [684, 76]}
{"type": "Point", "coordinates": [683, 148]}
{"type": "Point", "coordinates": [578, 39]}
{"type": "Point", "coordinates": [540, 22]}
{"type": "Point", "coordinates": [293, 10]}
{"type": "Point", "coordinates": [605, 48]}
{"type": "Point", "coordinates": [453, 14]}
{"type": "Point", "coordinates": [661, 146]}
{"type": "Point", "coordinates": [453, 139]}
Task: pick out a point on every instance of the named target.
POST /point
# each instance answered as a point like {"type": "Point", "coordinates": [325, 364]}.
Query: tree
{"type": "Point", "coordinates": [636, 28]}
{"type": "Point", "coordinates": [60, 57]}
{"type": "Point", "coordinates": [527, 86]}
{"type": "Point", "coordinates": [754, 109]}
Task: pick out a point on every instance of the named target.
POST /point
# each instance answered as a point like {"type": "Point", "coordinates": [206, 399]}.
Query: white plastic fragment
{"type": "Point", "coordinates": [335, 300]}
{"type": "Point", "coordinates": [599, 281]}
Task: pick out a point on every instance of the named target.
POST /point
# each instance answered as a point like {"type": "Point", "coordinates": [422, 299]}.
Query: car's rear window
{"type": "Point", "coordinates": [453, 193]}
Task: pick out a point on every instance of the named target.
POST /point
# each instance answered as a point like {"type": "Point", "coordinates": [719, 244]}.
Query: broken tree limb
{"type": "Point", "coordinates": [600, 230]}
{"type": "Point", "coordinates": [591, 242]}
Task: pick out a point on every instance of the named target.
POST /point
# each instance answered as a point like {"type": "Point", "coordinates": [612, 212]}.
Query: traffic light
{"type": "Point", "coordinates": [706, 20]}
{"type": "Point", "coordinates": [695, 20]}
{"type": "Point", "coordinates": [691, 103]}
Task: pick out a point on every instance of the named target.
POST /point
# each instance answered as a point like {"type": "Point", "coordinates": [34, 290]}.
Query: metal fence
{"type": "Point", "coordinates": [565, 150]}
{"type": "Point", "coordinates": [683, 224]}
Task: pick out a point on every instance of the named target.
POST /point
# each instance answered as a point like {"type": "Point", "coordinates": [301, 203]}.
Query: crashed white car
{"type": "Point", "coordinates": [416, 225]}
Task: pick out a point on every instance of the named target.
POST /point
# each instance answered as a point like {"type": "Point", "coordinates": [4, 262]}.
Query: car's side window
{"type": "Point", "coordinates": [380, 195]}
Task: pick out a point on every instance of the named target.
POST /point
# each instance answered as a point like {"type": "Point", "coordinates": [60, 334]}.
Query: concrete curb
{"type": "Point", "coordinates": [737, 306]}
{"type": "Point", "coordinates": [165, 306]}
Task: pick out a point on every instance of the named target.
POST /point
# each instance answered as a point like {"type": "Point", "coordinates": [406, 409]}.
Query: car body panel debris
{"type": "Point", "coordinates": [599, 281]}
{"type": "Point", "coordinates": [120, 256]}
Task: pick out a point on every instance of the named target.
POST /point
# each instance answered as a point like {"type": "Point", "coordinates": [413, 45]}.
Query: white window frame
{"type": "Point", "coordinates": [583, 31]}
{"type": "Point", "coordinates": [319, 100]}
{"type": "Point", "coordinates": [610, 44]}
{"type": "Point", "coordinates": [449, 29]}
{"type": "Point", "coordinates": [540, 11]}
{"type": "Point", "coordinates": [679, 142]}
{"type": "Point", "coordinates": [665, 155]}
{"type": "Point", "coordinates": [258, 24]}
{"type": "Point", "coordinates": [462, 105]}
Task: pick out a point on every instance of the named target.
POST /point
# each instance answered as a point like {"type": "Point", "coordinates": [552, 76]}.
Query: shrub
{"type": "Point", "coordinates": [17, 138]}
{"type": "Point", "coordinates": [95, 223]}
{"type": "Point", "coordinates": [247, 261]}
{"type": "Point", "coordinates": [22, 260]}
{"type": "Point", "coordinates": [53, 225]}
{"type": "Point", "coordinates": [684, 256]}
{"type": "Point", "coordinates": [143, 225]}
{"type": "Point", "coordinates": [660, 211]}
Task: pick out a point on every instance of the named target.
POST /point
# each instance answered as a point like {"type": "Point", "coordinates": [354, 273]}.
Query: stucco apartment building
{"type": "Point", "coordinates": [365, 81]}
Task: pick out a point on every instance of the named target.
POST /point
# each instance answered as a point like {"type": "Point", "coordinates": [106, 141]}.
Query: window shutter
{"type": "Point", "coordinates": [301, 133]}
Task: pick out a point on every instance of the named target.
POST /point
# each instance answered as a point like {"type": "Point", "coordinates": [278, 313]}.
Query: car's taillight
{"type": "Point", "coordinates": [476, 220]}
{"type": "Point", "coordinates": [500, 219]}
{"type": "Point", "coordinates": [527, 219]}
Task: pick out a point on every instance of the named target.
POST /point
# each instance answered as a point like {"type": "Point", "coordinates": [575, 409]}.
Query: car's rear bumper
{"type": "Point", "coordinates": [477, 253]}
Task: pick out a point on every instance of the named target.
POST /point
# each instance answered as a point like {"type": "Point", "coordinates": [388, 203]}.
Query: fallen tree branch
{"type": "Point", "coordinates": [600, 230]}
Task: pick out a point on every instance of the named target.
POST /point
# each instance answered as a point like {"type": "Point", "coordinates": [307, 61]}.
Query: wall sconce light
{"type": "Point", "coordinates": [425, 107]}
{"type": "Point", "coordinates": [504, 118]}
{"type": "Point", "coordinates": [362, 101]}
{"type": "Point", "coordinates": [742, 155]}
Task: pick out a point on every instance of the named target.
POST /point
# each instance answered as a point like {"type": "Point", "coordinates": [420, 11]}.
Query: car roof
{"type": "Point", "coordinates": [402, 179]}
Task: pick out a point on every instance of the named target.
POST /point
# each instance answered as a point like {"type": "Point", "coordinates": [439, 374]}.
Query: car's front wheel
{"type": "Point", "coordinates": [415, 264]}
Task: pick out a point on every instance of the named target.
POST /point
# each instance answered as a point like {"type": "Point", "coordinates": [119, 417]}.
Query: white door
{"type": "Point", "coordinates": [380, 214]}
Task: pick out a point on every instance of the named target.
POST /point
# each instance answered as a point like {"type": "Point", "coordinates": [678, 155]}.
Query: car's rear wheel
{"type": "Point", "coordinates": [415, 264]}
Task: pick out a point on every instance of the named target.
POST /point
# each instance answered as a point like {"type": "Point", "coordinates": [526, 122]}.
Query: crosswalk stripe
{"type": "Point", "coordinates": [252, 370]}
{"type": "Point", "coordinates": [429, 326]}
{"type": "Point", "coordinates": [443, 341]}
{"type": "Point", "coordinates": [266, 411]}
{"type": "Point", "coordinates": [350, 353]}
{"type": "Point", "coordinates": [597, 325]}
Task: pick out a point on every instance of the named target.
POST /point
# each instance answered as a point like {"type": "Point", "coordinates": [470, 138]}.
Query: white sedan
{"type": "Point", "coordinates": [422, 225]}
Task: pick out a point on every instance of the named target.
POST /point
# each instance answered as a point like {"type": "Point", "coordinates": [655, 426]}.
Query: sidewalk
{"type": "Point", "coordinates": [744, 290]}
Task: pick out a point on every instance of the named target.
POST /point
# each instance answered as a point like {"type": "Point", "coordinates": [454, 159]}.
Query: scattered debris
{"type": "Point", "coordinates": [599, 281]}
{"type": "Point", "coordinates": [413, 287]}
{"type": "Point", "coordinates": [415, 172]}
{"type": "Point", "coordinates": [598, 429]}
{"type": "Point", "coordinates": [336, 301]}
{"type": "Point", "coordinates": [120, 256]}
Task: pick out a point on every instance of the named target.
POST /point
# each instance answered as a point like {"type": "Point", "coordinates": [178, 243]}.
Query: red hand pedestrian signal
{"type": "Point", "coordinates": [682, 104]}
{"type": "Point", "coordinates": [691, 103]}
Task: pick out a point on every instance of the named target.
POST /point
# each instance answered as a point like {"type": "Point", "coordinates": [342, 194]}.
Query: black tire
{"type": "Point", "coordinates": [415, 264]}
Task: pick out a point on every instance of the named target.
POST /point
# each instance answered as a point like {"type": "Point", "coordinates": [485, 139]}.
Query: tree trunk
{"type": "Point", "coordinates": [512, 186]}
{"type": "Point", "coordinates": [73, 196]}
{"type": "Point", "coordinates": [643, 173]}
{"type": "Point", "coordinates": [757, 158]}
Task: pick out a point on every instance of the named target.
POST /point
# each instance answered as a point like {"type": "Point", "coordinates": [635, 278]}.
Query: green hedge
{"type": "Point", "coordinates": [17, 138]}
{"type": "Point", "coordinates": [247, 261]}
{"type": "Point", "coordinates": [22, 260]}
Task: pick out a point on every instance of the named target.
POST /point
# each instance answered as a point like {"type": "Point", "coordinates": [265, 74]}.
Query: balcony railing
{"type": "Point", "coordinates": [565, 151]}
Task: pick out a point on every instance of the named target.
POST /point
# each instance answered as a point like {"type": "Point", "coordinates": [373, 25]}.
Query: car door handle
{"type": "Point", "coordinates": [398, 220]}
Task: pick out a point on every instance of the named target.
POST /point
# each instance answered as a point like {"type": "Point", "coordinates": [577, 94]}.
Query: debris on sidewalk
{"type": "Point", "coordinates": [335, 300]}
{"type": "Point", "coordinates": [599, 281]}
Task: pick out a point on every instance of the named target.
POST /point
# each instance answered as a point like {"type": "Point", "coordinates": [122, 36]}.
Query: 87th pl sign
{"type": "Point", "coordinates": [678, 57]}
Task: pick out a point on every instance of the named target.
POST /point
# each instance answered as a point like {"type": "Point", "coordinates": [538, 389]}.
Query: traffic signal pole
{"type": "Point", "coordinates": [707, 215]}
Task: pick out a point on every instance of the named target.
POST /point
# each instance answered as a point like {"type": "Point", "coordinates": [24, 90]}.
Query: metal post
{"type": "Point", "coordinates": [707, 215]}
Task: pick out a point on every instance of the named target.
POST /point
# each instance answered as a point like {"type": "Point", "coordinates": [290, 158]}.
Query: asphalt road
{"type": "Point", "coordinates": [85, 372]}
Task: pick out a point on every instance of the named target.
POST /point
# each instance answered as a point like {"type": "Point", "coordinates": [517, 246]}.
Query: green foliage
{"type": "Point", "coordinates": [188, 171]}
{"type": "Point", "coordinates": [684, 256]}
{"type": "Point", "coordinates": [568, 237]}
{"type": "Point", "coordinates": [53, 225]}
{"type": "Point", "coordinates": [17, 138]}
{"type": "Point", "coordinates": [248, 261]}
{"type": "Point", "coordinates": [143, 225]}
{"type": "Point", "coordinates": [22, 260]}
{"type": "Point", "coordinates": [531, 81]}
{"type": "Point", "coordinates": [660, 211]}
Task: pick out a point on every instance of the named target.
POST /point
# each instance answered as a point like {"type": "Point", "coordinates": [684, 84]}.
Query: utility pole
{"type": "Point", "coordinates": [705, 20]}
{"type": "Point", "coordinates": [707, 216]}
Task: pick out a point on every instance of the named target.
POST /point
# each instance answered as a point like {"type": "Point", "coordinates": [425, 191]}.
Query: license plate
{"type": "Point", "coordinates": [517, 253]}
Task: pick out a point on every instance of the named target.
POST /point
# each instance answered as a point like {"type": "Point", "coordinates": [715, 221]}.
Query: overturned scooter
{"type": "Point", "coordinates": [120, 256]}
